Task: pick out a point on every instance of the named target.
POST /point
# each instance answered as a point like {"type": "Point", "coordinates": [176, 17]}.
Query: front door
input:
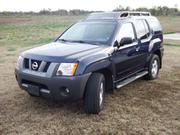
{"type": "Point", "coordinates": [127, 59]}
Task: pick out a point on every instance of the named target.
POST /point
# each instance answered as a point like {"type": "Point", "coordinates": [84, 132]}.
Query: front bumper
{"type": "Point", "coordinates": [55, 87]}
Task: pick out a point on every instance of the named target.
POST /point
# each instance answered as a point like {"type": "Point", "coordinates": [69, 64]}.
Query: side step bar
{"type": "Point", "coordinates": [131, 79]}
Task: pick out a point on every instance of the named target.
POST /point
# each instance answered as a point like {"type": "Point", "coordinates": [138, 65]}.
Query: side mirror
{"type": "Point", "coordinates": [116, 44]}
{"type": "Point", "coordinates": [125, 41]}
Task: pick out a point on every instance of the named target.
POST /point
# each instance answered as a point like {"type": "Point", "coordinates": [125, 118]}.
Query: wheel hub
{"type": "Point", "coordinates": [101, 93]}
{"type": "Point", "coordinates": [154, 69]}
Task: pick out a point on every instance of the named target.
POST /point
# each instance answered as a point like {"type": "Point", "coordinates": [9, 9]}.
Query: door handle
{"type": "Point", "coordinates": [137, 48]}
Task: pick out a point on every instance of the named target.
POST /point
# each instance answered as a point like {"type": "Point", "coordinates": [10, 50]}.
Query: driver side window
{"type": "Point", "coordinates": [126, 30]}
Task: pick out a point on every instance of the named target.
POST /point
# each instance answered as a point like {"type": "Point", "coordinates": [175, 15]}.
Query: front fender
{"type": "Point", "coordinates": [98, 65]}
{"type": "Point", "coordinates": [95, 61]}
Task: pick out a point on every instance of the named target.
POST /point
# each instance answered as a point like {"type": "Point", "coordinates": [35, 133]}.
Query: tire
{"type": "Point", "coordinates": [153, 68]}
{"type": "Point", "coordinates": [94, 95]}
{"type": "Point", "coordinates": [32, 95]}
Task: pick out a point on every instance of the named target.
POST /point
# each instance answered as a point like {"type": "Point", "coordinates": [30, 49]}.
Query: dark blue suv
{"type": "Point", "coordinates": [103, 52]}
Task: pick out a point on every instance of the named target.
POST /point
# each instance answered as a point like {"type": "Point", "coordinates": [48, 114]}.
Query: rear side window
{"type": "Point", "coordinates": [142, 29]}
{"type": "Point", "coordinates": [126, 30]}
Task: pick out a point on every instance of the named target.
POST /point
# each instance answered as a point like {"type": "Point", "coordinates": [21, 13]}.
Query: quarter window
{"type": "Point", "coordinates": [154, 24]}
{"type": "Point", "coordinates": [142, 29]}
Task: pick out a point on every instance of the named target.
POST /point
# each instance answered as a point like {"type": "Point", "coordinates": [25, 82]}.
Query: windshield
{"type": "Point", "coordinates": [89, 32]}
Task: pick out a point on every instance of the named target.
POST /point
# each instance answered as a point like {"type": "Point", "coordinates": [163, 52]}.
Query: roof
{"type": "Point", "coordinates": [116, 15]}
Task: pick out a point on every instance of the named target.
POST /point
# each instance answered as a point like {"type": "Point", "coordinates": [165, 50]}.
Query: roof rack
{"type": "Point", "coordinates": [116, 15]}
{"type": "Point", "coordinates": [134, 13]}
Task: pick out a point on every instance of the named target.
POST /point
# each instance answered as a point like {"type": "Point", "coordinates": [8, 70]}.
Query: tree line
{"type": "Point", "coordinates": [157, 11]}
{"type": "Point", "coordinates": [60, 12]}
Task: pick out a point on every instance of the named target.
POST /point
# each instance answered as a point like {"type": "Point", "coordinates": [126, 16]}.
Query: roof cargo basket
{"type": "Point", "coordinates": [134, 13]}
{"type": "Point", "coordinates": [115, 15]}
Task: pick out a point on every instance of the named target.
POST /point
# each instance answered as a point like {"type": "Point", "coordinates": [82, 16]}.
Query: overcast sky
{"type": "Point", "coordinates": [104, 5]}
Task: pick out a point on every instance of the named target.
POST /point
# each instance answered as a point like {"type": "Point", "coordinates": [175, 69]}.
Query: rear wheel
{"type": "Point", "coordinates": [153, 68]}
{"type": "Point", "coordinates": [94, 96]}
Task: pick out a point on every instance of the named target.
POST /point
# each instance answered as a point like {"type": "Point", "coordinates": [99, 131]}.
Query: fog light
{"type": "Point", "coordinates": [64, 91]}
{"type": "Point", "coordinates": [67, 90]}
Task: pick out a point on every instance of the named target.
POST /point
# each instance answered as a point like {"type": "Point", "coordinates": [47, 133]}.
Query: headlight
{"type": "Point", "coordinates": [67, 69]}
{"type": "Point", "coordinates": [19, 61]}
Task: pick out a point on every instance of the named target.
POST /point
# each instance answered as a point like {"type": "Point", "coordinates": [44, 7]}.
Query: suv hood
{"type": "Point", "coordinates": [64, 52]}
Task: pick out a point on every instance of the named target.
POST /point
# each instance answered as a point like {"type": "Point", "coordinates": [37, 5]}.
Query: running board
{"type": "Point", "coordinates": [131, 79]}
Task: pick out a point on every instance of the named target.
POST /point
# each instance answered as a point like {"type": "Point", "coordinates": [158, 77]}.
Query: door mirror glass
{"type": "Point", "coordinates": [125, 41]}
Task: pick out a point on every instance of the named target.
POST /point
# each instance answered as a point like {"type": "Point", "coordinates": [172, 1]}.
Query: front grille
{"type": "Point", "coordinates": [36, 65]}
{"type": "Point", "coordinates": [26, 63]}
{"type": "Point", "coordinates": [46, 67]}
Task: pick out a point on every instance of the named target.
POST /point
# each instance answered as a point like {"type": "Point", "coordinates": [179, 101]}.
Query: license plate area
{"type": "Point", "coordinates": [33, 89]}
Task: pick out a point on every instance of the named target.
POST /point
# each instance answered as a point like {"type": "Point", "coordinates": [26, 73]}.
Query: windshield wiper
{"type": "Point", "coordinates": [64, 40]}
{"type": "Point", "coordinates": [79, 41]}
{"type": "Point", "coordinates": [76, 41]}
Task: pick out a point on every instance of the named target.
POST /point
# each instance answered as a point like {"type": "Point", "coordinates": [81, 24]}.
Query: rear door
{"type": "Point", "coordinates": [144, 37]}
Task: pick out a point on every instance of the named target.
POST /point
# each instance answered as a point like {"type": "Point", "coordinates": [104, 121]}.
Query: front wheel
{"type": "Point", "coordinates": [32, 95]}
{"type": "Point", "coordinates": [94, 96]}
{"type": "Point", "coordinates": [153, 68]}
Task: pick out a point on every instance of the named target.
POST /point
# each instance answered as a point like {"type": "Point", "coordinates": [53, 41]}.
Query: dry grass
{"type": "Point", "coordinates": [142, 107]}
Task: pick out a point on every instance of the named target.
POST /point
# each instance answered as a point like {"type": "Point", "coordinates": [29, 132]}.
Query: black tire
{"type": "Point", "coordinates": [153, 75]}
{"type": "Point", "coordinates": [93, 101]}
{"type": "Point", "coordinates": [32, 95]}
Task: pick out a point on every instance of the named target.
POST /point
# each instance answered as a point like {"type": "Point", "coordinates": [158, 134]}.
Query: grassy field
{"type": "Point", "coordinates": [172, 42]}
{"type": "Point", "coordinates": [30, 30]}
{"type": "Point", "coordinates": [27, 31]}
{"type": "Point", "coordinates": [170, 24]}
{"type": "Point", "coordinates": [142, 107]}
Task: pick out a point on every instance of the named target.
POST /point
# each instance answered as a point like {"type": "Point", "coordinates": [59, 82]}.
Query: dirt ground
{"type": "Point", "coordinates": [142, 107]}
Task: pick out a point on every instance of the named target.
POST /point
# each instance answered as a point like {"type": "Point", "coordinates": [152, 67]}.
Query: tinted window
{"type": "Point", "coordinates": [126, 30]}
{"type": "Point", "coordinates": [142, 29]}
{"type": "Point", "coordinates": [91, 32]}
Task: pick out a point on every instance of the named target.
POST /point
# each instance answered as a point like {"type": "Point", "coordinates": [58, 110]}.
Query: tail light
{"type": "Point", "coordinates": [161, 37]}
